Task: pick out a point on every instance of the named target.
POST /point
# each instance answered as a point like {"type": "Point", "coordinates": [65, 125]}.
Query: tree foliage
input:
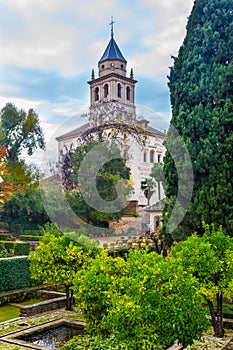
{"type": "Point", "coordinates": [148, 186]}
{"type": "Point", "coordinates": [108, 177]}
{"type": "Point", "coordinates": [145, 301]}
{"type": "Point", "coordinates": [24, 210]}
{"type": "Point", "coordinates": [20, 131]}
{"type": "Point", "coordinates": [201, 90]}
{"type": "Point", "coordinates": [210, 259]}
{"type": "Point", "coordinates": [58, 258]}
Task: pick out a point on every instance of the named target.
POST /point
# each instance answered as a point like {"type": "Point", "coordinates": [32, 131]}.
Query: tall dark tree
{"type": "Point", "coordinates": [201, 91]}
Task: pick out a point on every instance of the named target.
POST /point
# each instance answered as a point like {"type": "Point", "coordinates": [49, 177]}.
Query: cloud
{"type": "Point", "coordinates": [48, 49]}
{"type": "Point", "coordinates": [70, 36]}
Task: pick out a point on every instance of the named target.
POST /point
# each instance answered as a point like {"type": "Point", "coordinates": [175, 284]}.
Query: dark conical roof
{"type": "Point", "coordinates": [112, 52]}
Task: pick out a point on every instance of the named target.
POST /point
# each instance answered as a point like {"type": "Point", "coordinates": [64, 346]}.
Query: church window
{"type": "Point", "coordinates": [102, 66]}
{"type": "Point", "coordinates": [122, 66]}
{"type": "Point", "coordinates": [128, 93]}
{"type": "Point", "coordinates": [118, 90]}
{"type": "Point", "coordinates": [152, 152]}
{"type": "Point", "coordinates": [145, 156]}
{"type": "Point", "coordinates": [96, 94]}
{"type": "Point", "coordinates": [106, 90]}
{"type": "Point", "coordinates": [159, 158]}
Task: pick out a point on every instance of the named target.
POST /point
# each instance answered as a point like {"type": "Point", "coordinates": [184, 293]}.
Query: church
{"type": "Point", "coordinates": [112, 103]}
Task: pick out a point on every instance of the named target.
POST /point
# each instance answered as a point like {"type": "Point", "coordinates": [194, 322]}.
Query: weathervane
{"type": "Point", "coordinates": [111, 24]}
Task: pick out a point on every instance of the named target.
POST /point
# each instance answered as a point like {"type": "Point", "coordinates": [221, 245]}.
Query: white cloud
{"type": "Point", "coordinates": [170, 22]}
{"type": "Point", "coordinates": [68, 35]}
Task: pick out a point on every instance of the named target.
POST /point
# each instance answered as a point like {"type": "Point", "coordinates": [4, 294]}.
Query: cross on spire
{"type": "Point", "coordinates": [111, 24]}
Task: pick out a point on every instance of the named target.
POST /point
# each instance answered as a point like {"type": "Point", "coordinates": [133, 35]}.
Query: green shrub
{"type": "Point", "coordinates": [92, 343]}
{"type": "Point", "coordinates": [145, 301]}
{"type": "Point", "coordinates": [3, 252]}
{"type": "Point", "coordinates": [3, 224]}
{"type": "Point", "coordinates": [17, 248]}
{"type": "Point", "coordinates": [15, 274]}
{"type": "Point", "coordinates": [6, 237]}
{"type": "Point", "coordinates": [30, 232]}
{"type": "Point", "coordinates": [135, 215]}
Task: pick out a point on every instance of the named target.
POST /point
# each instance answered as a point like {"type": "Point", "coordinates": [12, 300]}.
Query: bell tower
{"type": "Point", "coordinates": [112, 93]}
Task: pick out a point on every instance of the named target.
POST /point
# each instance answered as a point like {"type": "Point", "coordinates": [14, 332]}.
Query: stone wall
{"type": "Point", "coordinates": [28, 293]}
{"type": "Point", "coordinates": [44, 306]}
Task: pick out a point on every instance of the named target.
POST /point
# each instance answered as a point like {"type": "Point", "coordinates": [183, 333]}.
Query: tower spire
{"type": "Point", "coordinates": [111, 24]}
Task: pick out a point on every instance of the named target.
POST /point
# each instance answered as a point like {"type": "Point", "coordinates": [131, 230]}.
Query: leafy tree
{"type": "Point", "coordinates": [57, 259]}
{"type": "Point", "coordinates": [157, 174]}
{"type": "Point", "coordinates": [24, 210]}
{"type": "Point", "coordinates": [148, 186]}
{"type": "Point", "coordinates": [6, 187]}
{"type": "Point", "coordinates": [201, 91]}
{"type": "Point", "coordinates": [110, 175]}
{"type": "Point", "coordinates": [20, 131]}
{"type": "Point", "coordinates": [210, 259]}
{"type": "Point", "coordinates": [144, 302]}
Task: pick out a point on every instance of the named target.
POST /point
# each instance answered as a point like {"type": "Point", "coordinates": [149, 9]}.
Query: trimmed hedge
{"type": "Point", "coordinates": [15, 274]}
{"type": "Point", "coordinates": [29, 238]}
{"type": "Point", "coordinates": [17, 248]}
{"type": "Point", "coordinates": [6, 237]}
{"type": "Point", "coordinates": [30, 233]}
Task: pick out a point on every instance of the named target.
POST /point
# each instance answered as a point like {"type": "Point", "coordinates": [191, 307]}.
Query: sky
{"type": "Point", "coordinates": [48, 48]}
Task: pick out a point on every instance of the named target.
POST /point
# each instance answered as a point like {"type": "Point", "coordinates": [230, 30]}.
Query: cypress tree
{"type": "Point", "coordinates": [201, 91]}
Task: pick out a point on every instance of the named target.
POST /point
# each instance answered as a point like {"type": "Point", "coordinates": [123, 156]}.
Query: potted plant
{"type": "Point", "coordinates": [112, 245]}
{"type": "Point", "coordinates": [120, 244]}
{"type": "Point", "coordinates": [130, 243]}
{"type": "Point", "coordinates": [105, 245]}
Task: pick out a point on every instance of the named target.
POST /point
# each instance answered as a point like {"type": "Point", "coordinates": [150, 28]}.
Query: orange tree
{"type": "Point", "coordinates": [210, 259]}
{"type": "Point", "coordinates": [57, 259]}
{"type": "Point", "coordinates": [144, 302]}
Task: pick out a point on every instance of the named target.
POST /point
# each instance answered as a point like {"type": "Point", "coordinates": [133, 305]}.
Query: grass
{"type": "Point", "coordinates": [30, 302]}
{"type": "Point", "coordinates": [8, 312]}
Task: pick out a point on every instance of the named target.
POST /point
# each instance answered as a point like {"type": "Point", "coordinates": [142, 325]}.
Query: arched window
{"type": "Point", "coordinates": [128, 93]}
{"type": "Point", "coordinates": [97, 94]}
{"type": "Point", "coordinates": [118, 90]}
{"type": "Point", "coordinates": [106, 90]}
{"type": "Point", "coordinates": [145, 156]}
{"type": "Point", "coordinates": [152, 153]}
{"type": "Point", "coordinates": [159, 158]}
{"type": "Point", "coordinates": [102, 66]}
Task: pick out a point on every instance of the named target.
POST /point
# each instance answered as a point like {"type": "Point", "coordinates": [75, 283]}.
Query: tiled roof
{"type": "Point", "coordinates": [155, 131]}
{"type": "Point", "coordinates": [74, 133]}
{"type": "Point", "coordinates": [112, 52]}
{"type": "Point", "coordinates": [85, 127]}
{"type": "Point", "coordinates": [158, 206]}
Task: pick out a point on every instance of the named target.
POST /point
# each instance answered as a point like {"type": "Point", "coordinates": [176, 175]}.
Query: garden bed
{"type": "Point", "coordinates": [51, 301]}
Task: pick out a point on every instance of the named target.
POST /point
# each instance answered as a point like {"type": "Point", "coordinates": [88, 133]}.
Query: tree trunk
{"type": "Point", "coordinates": [219, 315]}
{"type": "Point", "coordinates": [216, 317]}
{"type": "Point", "coordinates": [69, 299]}
{"type": "Point", "coordinates": [159, 191]}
